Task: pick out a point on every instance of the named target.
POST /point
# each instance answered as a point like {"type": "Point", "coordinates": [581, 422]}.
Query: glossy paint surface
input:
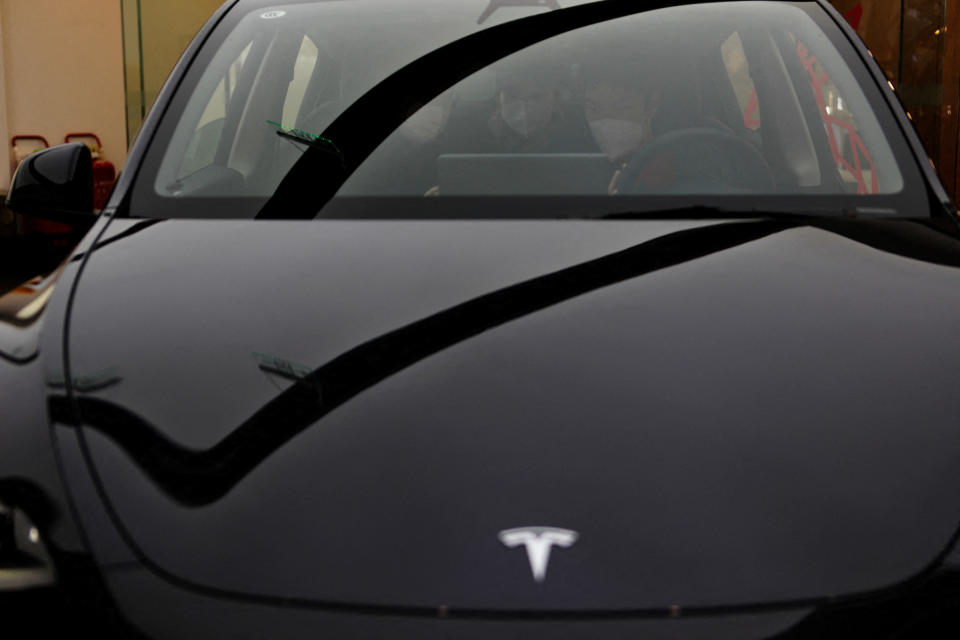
{"type": "Point", "coordinates": [160, 607]}
{"type": "Point", "coordinates": [55, 180]}
{"type": "Point", "coordinates": [30, 369]}
{"type": "Point", "coordinates": [728, 413]}
{"type": "Point", "coordinates": [291, 429]}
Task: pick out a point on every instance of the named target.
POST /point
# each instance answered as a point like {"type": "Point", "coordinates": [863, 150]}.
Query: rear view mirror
{"type": "Point", "coordinates": [54, 183]}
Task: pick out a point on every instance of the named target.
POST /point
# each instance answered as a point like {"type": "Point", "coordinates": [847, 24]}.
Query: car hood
{"type": "Point", "coordinates": [726, 412]}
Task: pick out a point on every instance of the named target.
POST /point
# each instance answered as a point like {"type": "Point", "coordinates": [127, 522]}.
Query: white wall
{"type": "Point", "coordinates": [63, 67]}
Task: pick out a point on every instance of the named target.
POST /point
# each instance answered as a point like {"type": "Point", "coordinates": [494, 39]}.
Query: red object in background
{"type": "Point", "coordinates": [858, 148]}
{"type": "Point", "coordinates": [854, 15]}
{"type": "Point", "coordinates": [104, 173]}
{"type": "Point", "coordinates": [750, 120]}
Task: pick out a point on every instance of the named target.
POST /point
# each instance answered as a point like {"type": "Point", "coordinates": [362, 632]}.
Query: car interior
{"type": "Point", "coordinates": [745, 107]}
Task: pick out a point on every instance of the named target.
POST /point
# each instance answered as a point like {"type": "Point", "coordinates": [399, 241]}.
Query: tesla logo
{"type": "Point", "coordinates": [538, 541]}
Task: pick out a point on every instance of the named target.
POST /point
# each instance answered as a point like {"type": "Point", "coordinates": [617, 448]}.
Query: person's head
{"type": "Point", "coordinates": [526, 109]}
{"type": "Point", "coordinates": [527, 95]}
{"type": "Point", "coordinates": [619, 108]}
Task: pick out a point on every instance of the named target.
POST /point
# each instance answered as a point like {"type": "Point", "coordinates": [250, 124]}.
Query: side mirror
{"type": "Point", "coordinates": [54, 183]}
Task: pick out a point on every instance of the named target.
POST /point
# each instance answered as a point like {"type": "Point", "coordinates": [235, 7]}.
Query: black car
{"type": "Point", "coordinates": [494, 319]}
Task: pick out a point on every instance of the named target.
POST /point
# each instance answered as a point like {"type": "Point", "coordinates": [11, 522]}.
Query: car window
{"type": "Point", "coordinates": [638, 116]}
{"type": "Point", "coordinates": [202, 148]}
{"type": "Point", "coordinates": [692, 102]}
{"type": "Point", "coordinates": [303, 67]}
{"type": "Point", "coordinates": [854, 162]}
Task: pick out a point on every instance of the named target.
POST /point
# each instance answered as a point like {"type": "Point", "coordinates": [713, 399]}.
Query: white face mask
{"type": "Point", "coordinates": [425, 125]}
{"type": "Point", "coordinates": [618, 138]}
{"type": "Point", "coordinates": [526, 117]}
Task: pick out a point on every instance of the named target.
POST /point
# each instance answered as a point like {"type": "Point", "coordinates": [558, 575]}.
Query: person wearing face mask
{"type": "Point", "coordinates": [529, 115]}
{"type": "Point", "coordinates": [660, 133]}
{"type": "Point", "coordinates": [620, 111]}
{"type": "Point", "coordinates": [523, 116]}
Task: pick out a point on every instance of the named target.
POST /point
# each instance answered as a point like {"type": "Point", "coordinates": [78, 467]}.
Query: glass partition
{"type": "Point", "coordinates": [155, 34]}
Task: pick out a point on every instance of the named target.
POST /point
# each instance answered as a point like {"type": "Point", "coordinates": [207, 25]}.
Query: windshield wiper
{"type": "Point", "coordinates": [313, 141]}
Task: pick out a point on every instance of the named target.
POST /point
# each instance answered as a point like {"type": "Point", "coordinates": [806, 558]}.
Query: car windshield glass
{"type": "Point", "coordinates": [313, 107]}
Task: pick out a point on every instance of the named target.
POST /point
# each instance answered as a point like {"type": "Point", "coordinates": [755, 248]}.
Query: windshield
{"type": "Point", "coordinates": [328, 108]}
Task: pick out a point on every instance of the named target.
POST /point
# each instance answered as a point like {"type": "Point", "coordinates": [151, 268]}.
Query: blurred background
{"type": "Point", "coordinates": [96, 66]}
{"type": "Point", "coordinates": [87, 70]}
{"type": "Point", "coordinates": [915, 41]}
{"type": "Point", "coordinates": [93, 66]}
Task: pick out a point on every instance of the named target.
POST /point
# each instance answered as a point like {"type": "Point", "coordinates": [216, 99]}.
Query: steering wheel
{"type": "Point", "coordinates": [708, 160]}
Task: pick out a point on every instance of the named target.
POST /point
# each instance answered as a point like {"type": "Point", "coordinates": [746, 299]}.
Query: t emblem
{"type": "Point", "coordinates": [538, 541]}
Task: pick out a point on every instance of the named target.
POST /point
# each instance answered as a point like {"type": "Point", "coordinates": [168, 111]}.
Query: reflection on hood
{"type": "Point", "coordinates": [201, 477]}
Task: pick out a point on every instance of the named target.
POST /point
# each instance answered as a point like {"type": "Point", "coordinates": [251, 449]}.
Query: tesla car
{"type": "Point", "coordinates": [494, 319]}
